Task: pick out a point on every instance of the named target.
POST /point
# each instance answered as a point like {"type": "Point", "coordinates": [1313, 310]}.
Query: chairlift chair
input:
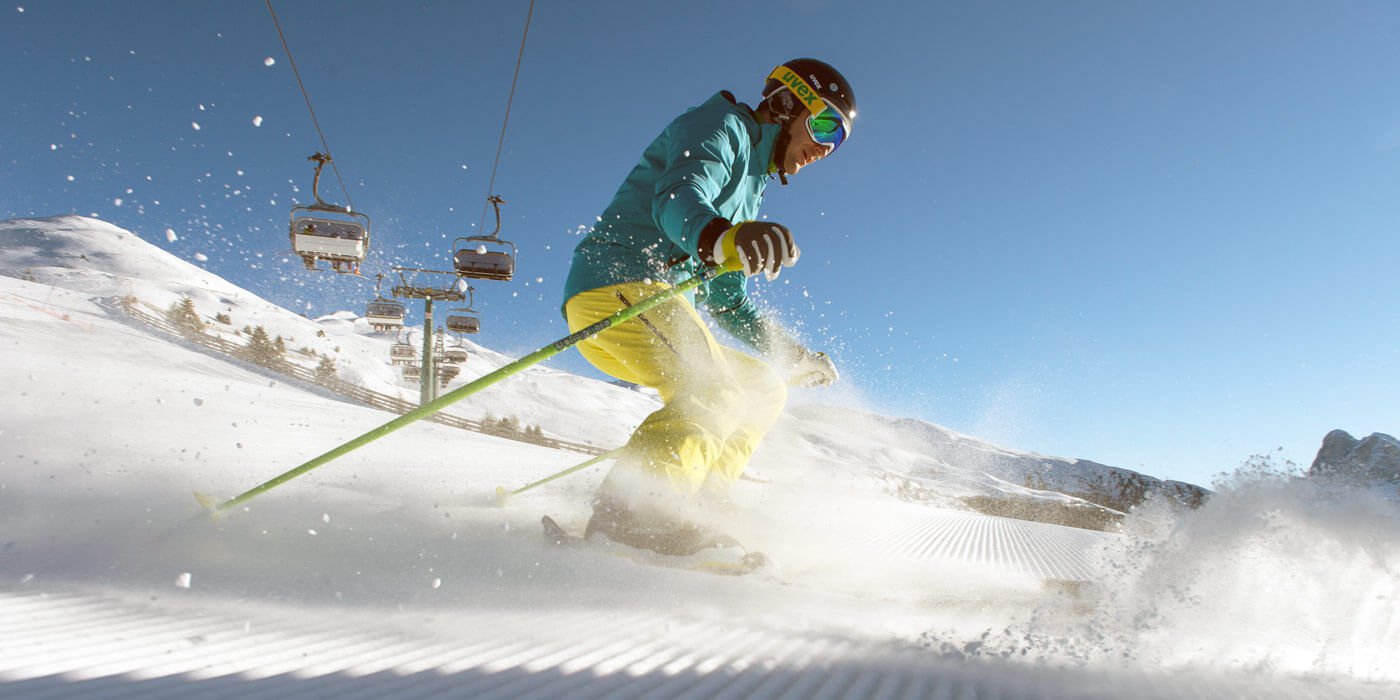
{"type": "Point", "coordinates": [485, 257]}
{"type": "Point", "coordinates": [385, 315]}
{"type": "Point", "coordinates": [464, 320]}
{"type": "Point", "coordinates": [454, 356]}
{"type": "Point", "coordinates": [447, 373]}
{"type": "Point", "coordinates": [330, 232]}
{"type": "Point", "coordinates": [401, 354]}
{"type": "Point", "coordinates": [412, 373]}
{"type": "Point", "coordinates": [463, 324]}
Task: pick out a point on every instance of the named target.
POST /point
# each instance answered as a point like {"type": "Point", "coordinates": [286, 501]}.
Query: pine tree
{"type": "Point", "coordinates": [185, 317]}
{"type": "Point", "coordinates": [261, 349]}
{"type": "Point", "coordinates": [325, 371]}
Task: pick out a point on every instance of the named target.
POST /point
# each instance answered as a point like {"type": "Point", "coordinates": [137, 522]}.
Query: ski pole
{"type": "Point", "coordinates": [503, 496]}
{"type": "Point", "coordinates": [462, 392]}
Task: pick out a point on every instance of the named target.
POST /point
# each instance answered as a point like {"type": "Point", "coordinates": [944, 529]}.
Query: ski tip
{"type": "Point", "coordinates": [502, 496]}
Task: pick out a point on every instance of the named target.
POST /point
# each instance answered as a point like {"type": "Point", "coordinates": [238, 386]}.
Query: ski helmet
{"type": "Point", "coordinates": [812, 86]}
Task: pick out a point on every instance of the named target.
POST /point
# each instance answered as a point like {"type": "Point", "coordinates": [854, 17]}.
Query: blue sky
{"type": "Point", "coordinates": [1155, 235]}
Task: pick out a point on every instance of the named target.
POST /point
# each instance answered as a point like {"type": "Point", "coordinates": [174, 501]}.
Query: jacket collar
{"type": "Point", "coordinates": [762, 137]}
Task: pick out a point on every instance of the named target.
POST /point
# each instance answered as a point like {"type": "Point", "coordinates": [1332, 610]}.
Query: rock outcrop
{"type": "Point", "coordinates": [1374, 459]}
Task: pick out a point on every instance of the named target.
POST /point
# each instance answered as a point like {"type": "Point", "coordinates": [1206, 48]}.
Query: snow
{"type": "Point", "coordinates": [390, 572]}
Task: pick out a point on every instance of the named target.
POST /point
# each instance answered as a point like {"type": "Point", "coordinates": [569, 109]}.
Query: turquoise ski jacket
{"type": "Point", "coordinates": [711, 162]}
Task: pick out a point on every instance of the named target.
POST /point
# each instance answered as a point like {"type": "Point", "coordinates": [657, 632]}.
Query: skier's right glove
{"type": "Point", "coordinates": [759, 246]}
{"type": "Point", "coordinates": [813, 369]}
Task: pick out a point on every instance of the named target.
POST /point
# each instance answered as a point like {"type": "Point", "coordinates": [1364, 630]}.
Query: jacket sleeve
{"type": "Point", "coordinates": [700, 158]}
{"type": "Point", "coordinates": [728, 301]}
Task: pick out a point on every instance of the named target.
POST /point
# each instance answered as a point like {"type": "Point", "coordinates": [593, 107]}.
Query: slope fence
{"type": "Point", "coordinates": [132, 307]}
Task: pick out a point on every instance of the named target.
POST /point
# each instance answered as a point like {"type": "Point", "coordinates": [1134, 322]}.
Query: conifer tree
{"type": "Point", "coordinates": [185, 317]}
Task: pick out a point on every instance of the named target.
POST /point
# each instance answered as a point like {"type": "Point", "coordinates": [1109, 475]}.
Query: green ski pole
{"type": "Point", "coordinates": [503, 496]}
{"type": "Point", "coordinates": [464, 391]}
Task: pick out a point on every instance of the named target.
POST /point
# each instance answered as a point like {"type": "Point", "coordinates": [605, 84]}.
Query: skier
{"type": "Point", "coordinates": [691, 203]}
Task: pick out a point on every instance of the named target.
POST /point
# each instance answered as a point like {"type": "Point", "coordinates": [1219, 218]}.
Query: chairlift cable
{"type": "Point", "coordinates": [314, 122]}
{"type": "Point", "coordinates": [500, 144]}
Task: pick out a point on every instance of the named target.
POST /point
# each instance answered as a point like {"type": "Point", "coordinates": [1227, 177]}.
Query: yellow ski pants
{"type": "Point", "coordinates": [718, 403]}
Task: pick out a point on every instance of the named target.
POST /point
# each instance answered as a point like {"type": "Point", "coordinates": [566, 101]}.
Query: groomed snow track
{"type": "Point", "coordinates": [1050, 552]}
{"type": "Point", "coordinates": [103, 646]}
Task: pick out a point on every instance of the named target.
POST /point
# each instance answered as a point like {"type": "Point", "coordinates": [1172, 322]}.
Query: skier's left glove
{"type": "Point", "coordinates": [812, 369]}
{"type": "Point", "coordinates": [758, 246]}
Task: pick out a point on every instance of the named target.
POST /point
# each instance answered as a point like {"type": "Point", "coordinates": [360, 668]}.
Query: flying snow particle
{"type": "Point", "coordinates": [257, 121]}
{"type": "Point", "coordinates": [687, 154]}
{"type": "Point", "coordinates": [201, 257]}
{"type": "Point", "coordinates": [195, 125]}
{"type": "Point", "coordinates": [117, 201]}
{"type": "Point", "coordinates": [481, 250]}
{"type": "Point", "coordinates": [21, 10]}
{"type": "Point", "coordinates": [325, 517]}
{"type": "Point", "coordinates": [183, 580]}
{"type": "Point", "coordinates": [311, 532]}
{"type": "Point", "coordinates": [437, 583]}
{"type": "Point", "coordinates": [201, 108]}
{"type": "Point", "coordinates": [53, 147]}
{"type": "Point", "coordinates": [70, 178]}
{"type": "Point", "coordinates": [269, 61]}
{"type": "Point", "coordinates": [539, 280]}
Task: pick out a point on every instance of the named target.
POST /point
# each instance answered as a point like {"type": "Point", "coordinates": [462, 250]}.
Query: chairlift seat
{"type": "Point", "coordinates": [329, 239]}
{"type": "Point", "coordinates": [385, 313]}
{"type": "Point", "coordinates": [446, 372]}
{"type": "Point", "coordinates": [464, 324]}
{"type": "Point", "coordinates": [455, 355]}
{"type": "Point", "coordinates": [401, 350]}
{"type": "Point", "coordinates": [412, 372]}
{"type": "Point", "coordinates": [490, 265]}
{"type": "Point", "coordinates": [473, 259]}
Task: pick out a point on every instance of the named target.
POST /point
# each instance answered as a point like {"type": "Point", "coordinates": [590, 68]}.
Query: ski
{"type": "Point", "coordinates": [719, 562]}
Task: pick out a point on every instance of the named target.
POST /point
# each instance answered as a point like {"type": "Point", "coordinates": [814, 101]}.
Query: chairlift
{"type": "Point", "coordinates": [454, 356]}
{"type": "Point", "coordinates": [464, 320]}
{"type": "Point", "coordinates": [447, 373]}
{"type": "Point", "coordinates": [463, 324]}
{"type": "Point", "coordinates": [385, 315]}
{"type": "Point", "coordinates": [485, 257]}
{"type": "Point", "coordinates": [401, 354]}
{"type": "Point", "coordinates": [330, 232]}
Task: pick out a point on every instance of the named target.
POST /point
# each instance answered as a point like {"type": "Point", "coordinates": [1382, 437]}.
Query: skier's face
{"type": "Point", "coordinates": [802, 151]}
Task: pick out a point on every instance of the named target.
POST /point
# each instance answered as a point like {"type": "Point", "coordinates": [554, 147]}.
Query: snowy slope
{"type": "Point", "coordinates": [390, 573]}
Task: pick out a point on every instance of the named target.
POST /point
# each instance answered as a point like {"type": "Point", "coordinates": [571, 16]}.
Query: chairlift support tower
{"type": "Point", "coordinates": [427, 387]}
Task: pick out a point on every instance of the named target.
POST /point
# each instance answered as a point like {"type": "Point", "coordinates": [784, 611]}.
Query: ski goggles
{"type": "Point", "coordinates": [825, 124]}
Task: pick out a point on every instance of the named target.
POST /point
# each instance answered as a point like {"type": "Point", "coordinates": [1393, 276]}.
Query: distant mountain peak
{"type": "Point", "coordinates": [1373, 458]}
